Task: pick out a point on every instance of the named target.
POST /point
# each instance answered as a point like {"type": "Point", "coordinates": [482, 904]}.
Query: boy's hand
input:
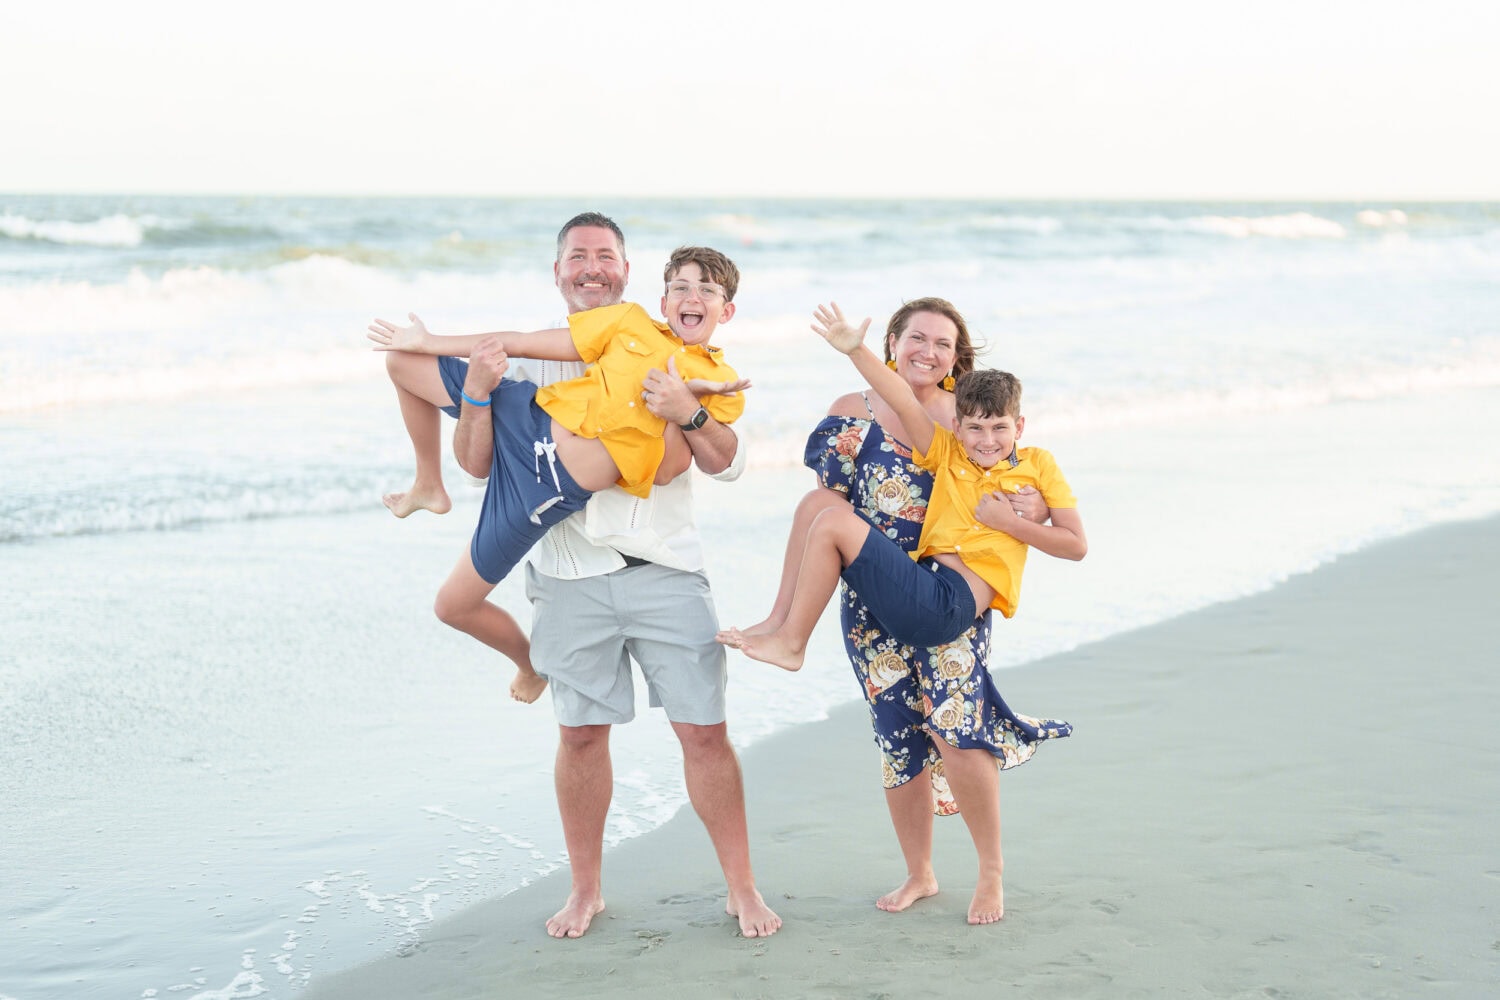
{"type": "Point", "coordinates": [701, 387]}
{"type": "Point", "coordinates": [832, 327]}
{"type": "Point", "coordinates": [672, 398]}
{"type": "Point", "coordinates": [994, 511]}
{"type": "Point", "coordinates": [487, 363]}
{"type": "Point", "coordinates": [390, 337]}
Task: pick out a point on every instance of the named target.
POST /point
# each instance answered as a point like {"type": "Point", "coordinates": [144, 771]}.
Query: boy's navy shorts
{"type": "Point", "coordinates": [453, 372]}
{"type": "Point", "coordinates": [921, 603]}
{"type": "Point", "coordinates": [528, 490]}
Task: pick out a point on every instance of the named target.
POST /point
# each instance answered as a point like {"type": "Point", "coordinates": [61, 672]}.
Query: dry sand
{"type": "Point", "coordinates": [1290, 795]}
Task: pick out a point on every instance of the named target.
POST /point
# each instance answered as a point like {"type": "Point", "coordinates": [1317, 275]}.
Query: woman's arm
{"type": "Point", "coordinates": [1062, 538]}
{"type": "Point", "coordinates": [850, 340]}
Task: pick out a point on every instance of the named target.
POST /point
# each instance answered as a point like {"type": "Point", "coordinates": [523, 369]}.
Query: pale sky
{"type": "Point", "coordinates": [1145, 99]}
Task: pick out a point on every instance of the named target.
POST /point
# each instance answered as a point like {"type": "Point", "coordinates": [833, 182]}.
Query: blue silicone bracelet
{"type": "Point", "coordinates": [473, 402]}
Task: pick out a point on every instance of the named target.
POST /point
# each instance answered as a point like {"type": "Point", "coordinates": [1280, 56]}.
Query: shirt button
{"type": "Point", "coordinates": [631, 403]}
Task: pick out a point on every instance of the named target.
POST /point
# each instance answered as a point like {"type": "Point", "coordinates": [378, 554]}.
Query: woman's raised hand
{"type": "Point", "coordinates": [832, 327]}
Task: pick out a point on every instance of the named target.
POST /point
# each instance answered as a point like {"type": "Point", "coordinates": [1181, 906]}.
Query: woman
{"type": "Point", "coordinates": [933, 710]}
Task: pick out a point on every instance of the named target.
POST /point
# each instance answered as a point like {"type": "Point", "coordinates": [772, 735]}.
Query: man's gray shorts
{"type": "Point", "coordinates": [585, 632]}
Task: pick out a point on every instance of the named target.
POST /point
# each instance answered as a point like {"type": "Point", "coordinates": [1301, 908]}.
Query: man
{"type": "Point", "coordinates": [624, 579]}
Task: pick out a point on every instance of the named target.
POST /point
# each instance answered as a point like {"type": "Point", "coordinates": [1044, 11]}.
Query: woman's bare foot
{"type": "Point", "coordinates": [988, 904]}
{"type": "Point", "coordinates": [434, 499]}
{"type": "Point", "coordinates": [526, 687]}
{"type": "Point", "coordinates": [756, 918]}
{"type": "Point", "coordinates": [572, 921]}
{"type": "Point", "coordinates": [907, 893]}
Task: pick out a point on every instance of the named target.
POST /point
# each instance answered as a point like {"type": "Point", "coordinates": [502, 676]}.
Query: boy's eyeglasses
{"type": "Point", "coordinates": [706, 290]}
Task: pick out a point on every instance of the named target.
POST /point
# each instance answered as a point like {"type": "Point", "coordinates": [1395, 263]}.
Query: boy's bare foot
{"type": "Point", "coordinates": [527, 688]}
{"type": "Point", "coordinates": [756, 918]}
{"type": "Point", "coordinates": [907, 893]}
{"type": "Point", "coordinates": [773, 648]}
{"type": "Point", "coordinates": [762, 628]}
{"type": "Point", "coordinates": [402, 504]}
{"type": "Point", "coordinates": [572, 921]}
{"type": "Point", "coordinates": [988, 904]}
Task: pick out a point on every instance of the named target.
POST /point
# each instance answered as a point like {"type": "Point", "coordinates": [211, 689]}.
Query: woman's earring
{"type": "Point", "coordinates": [949, 382]}
{"type": "Point", "coordinates": [891, 364]}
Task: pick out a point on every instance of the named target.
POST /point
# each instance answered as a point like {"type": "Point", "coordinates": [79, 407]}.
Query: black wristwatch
{"type": "Point", "coordinates": [696, 421]}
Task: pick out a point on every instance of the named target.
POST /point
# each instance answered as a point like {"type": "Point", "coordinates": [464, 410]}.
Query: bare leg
{"type": "Point", "coordinates": [910, 806]}
{"type": "Point", "coordinates": [677, 456]}
{"type": "Point", "coordinates": [974, 777]}
{"type": "Point", "coordinates": [585, 782]}
{"type": "Point", "coordinates": [419, 391]}
{"type": "Point", "coordinates": [461, 603]}
{"type": "Point", "coordinates": [712, 773]}
{"type": "Point", "coordinates": [833, 541]}
{"type": "Point", "coordinates": [808, 508]}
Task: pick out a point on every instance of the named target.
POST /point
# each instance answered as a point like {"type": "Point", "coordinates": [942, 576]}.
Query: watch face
{"type": "Point", "coordinates": [697, 420]}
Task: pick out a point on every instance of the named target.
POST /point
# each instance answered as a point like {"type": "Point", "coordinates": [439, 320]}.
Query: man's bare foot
{"type": "Point", "coordinates": [988, 904]}
{"type": "Point", "coordinates": [572, 921]}
{"type": "Point", "coordinates": [756, 918]}
{"type": "Point", "coordinates": [907, 893]}
{"type": "Point", "coordinates": [527, 688]}
{"type": "Point", "coordinates": [402, 504]}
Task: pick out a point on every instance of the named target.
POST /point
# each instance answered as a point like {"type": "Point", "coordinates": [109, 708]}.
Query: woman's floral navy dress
{"type": "Point", "coordinates": [914, 694]}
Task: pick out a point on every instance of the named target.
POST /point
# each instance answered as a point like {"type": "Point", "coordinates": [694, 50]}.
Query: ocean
{"type": "Point", "coordinates": [240, 752]}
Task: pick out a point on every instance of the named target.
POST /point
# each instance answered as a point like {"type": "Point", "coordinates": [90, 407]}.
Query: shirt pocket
{"type": "Point", "coordinates": [623, 367]}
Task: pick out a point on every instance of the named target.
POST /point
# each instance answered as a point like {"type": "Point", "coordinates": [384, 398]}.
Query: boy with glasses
{"type": "Point", "coordinates": [557, 445]}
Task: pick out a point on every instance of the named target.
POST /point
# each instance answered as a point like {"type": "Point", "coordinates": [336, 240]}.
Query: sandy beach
{"type": "Point", "coordinates": [1287, 795]}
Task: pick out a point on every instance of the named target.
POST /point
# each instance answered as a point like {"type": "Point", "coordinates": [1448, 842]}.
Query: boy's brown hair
{"type": "Point", "coordinates": [985, 392]}
{"type": "Point", "coordinates": [963, 346]}
{"type": "Point", "coordinates": [715, 267]}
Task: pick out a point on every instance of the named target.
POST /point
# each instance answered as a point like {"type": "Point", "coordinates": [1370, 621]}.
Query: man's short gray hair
{"type": "Point", "coordinates": [598, 219]}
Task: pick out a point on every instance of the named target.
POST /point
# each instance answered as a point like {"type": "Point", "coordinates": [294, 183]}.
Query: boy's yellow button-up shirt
{"type": "Point", "coordinates": [951, 526]}
{"type": "Point", "coordinates": [621, 343]}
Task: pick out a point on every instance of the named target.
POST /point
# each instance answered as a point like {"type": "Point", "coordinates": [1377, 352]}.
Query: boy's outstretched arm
{"type": "Point", "coordinates": [553, 345]}
{"type": "Point", "coordinates": [850, 340]}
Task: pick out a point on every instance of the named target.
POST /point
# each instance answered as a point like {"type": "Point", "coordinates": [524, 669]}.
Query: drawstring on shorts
{"type": "Point", "coordinates": [548, 448]}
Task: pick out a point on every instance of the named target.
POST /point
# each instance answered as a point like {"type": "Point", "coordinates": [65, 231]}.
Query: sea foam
{"type": "Point", "coordinates": [111, 231]}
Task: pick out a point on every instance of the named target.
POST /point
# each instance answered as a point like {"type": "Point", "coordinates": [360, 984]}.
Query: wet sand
{"type": "Point", "coordinates": [1290, 795]}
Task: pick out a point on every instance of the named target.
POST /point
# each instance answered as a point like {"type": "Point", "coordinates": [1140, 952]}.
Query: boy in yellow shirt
{"type": "Point", "coordinates": [556, 446]}
{"type": "Point", "coordinates": [973, 547]}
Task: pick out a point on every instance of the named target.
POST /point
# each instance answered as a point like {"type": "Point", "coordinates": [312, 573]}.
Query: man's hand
{"type": "Point", "coordinates": [667, 395]}
{"type": "Point", "coordinates": [487, 363]}
{"type": "Point", "coordinates": [390, 337]}
{"type": "Point", "coordinates": [1028, 504]}
{"type": "Point", "coordinates": [832, 327]}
